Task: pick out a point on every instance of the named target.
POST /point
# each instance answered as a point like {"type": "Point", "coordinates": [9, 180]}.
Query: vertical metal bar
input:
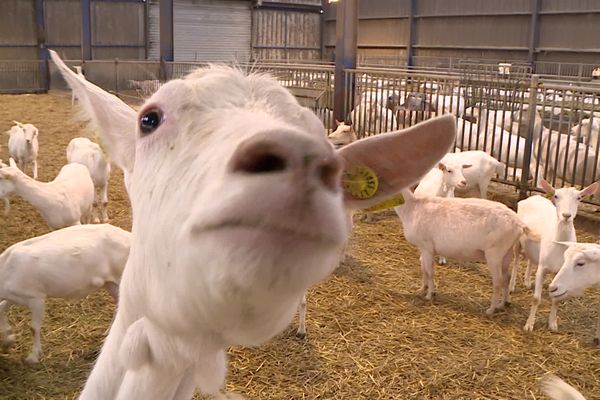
{"type": "Point", "coordinates": [535, 79]}
{"type": "Point", "coordinates": [86, 30]}
{"type": "Point", "coordinates": [41, 42]}
{"type": "Point", "coordinates": [167, 52]}
{"type": "Point", "coordinates": [534, 34]}
{"type": "Point", "coordinates": [412, 32]}
{"type": "Point", "coordinates": [345, 53]}
{"type": "Point", "coordinates": [322, 33]}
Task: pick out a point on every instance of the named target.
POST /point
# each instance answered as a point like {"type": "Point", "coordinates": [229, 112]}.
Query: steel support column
{"type": "Point", "coordinates": [534, 32]}
{"type": "Point", "coordinates": [167, 52]}
{"type": "Point", "coordinates": [345, 56]}
{"type": "Point", "coordinates": [86, 30]}
{"type": "Point", "coordinates": [41, 44]}
{"type": "Point", "coordinates": [412, 33]}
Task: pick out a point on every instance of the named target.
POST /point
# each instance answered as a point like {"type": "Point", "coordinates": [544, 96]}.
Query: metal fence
{"type": "Point", "coordinates": [23, 76]}
{"type": "Point", "coordinates": [538, 129]}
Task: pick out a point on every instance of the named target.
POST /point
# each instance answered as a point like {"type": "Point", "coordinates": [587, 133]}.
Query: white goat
{"type": "Point", "coordinates": [84, 151]}
{"type": "Point", "coordinates": [343, 135]}
{"type": "Point", "coordinates": [565, 158]}
{"type": "Point", "coordinates": [553, 222]}
{"type": "Point", "coordinates": [23, 146]}
{"type": "Point", "coordinates": [69, 263]}
{"type": "Point", "coordinates": [588, 130]}
{"type": "Point", "coordinates": [557, 389]}
{"type": "Point", "coordinates": [233, 224]}
{"type": "Point", "coordinates": [65, 201]}
{"type": "Point", "coordinates": [483, 168]}
{"type": "Point", "coordinates": [441, 182]}
{"type": "Point", "coordinates": [488, 231]}
{"type": "Point", "coordinates": [580, 271]}
{"type": "Point", "coordinates": [370, 119]}
{"type": "Point", "coordinates": [6, 189]}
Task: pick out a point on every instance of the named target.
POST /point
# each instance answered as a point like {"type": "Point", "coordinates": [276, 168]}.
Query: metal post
{"type": "Point", "coordinates": [167, 52]}
{"type": "Point", "coordinates": [345, 54]}
{"type": "Point", "coordinates": [86, 30]}
{"type": "Point", "coordinates": [41, 43]}
{"type": "Point", "coordinates": [534, 34]}
{"type": "Point", "coordinates": [412, 33]}
{"type": "Point", "coordinates": [533, 89]}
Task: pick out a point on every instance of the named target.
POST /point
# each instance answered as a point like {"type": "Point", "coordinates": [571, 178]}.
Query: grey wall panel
{"type": "Point", "coordinates": [210, 30]}
{"type": "Point", "coordinates": [576, 31]}
{"type": "Point", "coordinates": [570, 5]}
{"type": "Point", "coordinates": [115, 23]}
{"type": "Point", "coordinates": [383, 8]}
{"type": "Point", "coordinates": [17, 22]}
{"type": "Point", "coordinates": [63, 22]}
{"type": "Point", "coordinates": [453, 7]}
{"type": "Point", "coordinates": [107, 53]}
{"type": "Point", "coordinates": [474, 31]}
{"type": "Point", "coordinates": [378, 31]}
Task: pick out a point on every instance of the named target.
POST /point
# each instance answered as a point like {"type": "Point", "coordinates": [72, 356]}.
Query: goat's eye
{"type": "Point", "coordinates": [555, 197]}
{"type": "Point", "coordinates": [580, 264]}
{"type": "Point", "coordinates": [150, 120]}
{"type": "Point", "coordinates": [449, 171]}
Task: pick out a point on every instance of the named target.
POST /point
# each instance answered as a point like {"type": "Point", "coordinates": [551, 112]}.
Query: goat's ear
{"type": "Point", "coordinates": [112, 118]}
{"type": "Point", "coordinates": [12, 162]}
{"type": "Point", "coordinates": [442, 167]}
{"type": "Point", "coordinates": [590, 190]}
{"type": "Point", "coordinates": [547, 186]}
{"type": "Point", "coordinates": [378, 167]}
{"type": "Point", "coordinates": [565, 245]}
{"type": "Point", "coordinates": [338, 122]}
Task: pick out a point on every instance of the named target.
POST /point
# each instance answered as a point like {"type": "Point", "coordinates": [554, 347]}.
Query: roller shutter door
{"type": "Point", "coordinates": [211, 30]}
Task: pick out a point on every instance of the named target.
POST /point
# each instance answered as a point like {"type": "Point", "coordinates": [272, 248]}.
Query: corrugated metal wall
{"type": "Point", "coordinates": [211, 30]}
{"type": "Point", "coordinates": [118, 28]}
{"type": "Point", "coordinates": [475, 29]}
{"type": "Point", "coordinates": [287, 32]}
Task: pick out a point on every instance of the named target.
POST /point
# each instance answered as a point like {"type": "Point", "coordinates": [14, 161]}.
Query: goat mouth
{"type": "Point", "coordinates": [559, 295]}
{"type": "Point", "coordinates": [278, 230]}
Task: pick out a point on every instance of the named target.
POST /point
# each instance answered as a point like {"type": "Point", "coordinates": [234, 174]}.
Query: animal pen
{"type": "Point", "coordinates": [369, 335]}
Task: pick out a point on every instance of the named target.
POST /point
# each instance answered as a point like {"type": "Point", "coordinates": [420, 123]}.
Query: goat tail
{"type": "Point", "coordinates": [557, 389]}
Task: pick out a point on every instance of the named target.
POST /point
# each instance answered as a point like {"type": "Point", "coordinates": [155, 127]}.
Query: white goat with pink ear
{"type": "Point", "coordinates": [552, 221]}
{"type": "Point", "coordinates": [580, 271]}
{"type": "Point", "coordinates": [23, 146]}
{"type": "Point", "coordinates": [67, 200]}
{"type": "Point", "coordinates": [557, 389]}
{"type": "Point", "coordinates": [237, 210]}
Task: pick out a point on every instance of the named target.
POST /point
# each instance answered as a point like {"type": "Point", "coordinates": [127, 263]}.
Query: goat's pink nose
{"type": "Point", "coordinates": [566, 215]}
{"type": "Point", "coordinates": [464, 183]}
{"type": "Point", "coordinates": [265, 155]}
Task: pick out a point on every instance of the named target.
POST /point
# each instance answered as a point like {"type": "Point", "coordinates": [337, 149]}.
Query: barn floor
{"type": "Point", "coordinates": [370, 336]}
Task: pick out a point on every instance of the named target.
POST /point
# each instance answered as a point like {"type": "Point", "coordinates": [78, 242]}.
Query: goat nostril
{"type": "Point", "coordinates": [552, 289]}
{"type": "Point", "coordinates": [259, 161]}
{"type": "Point", "coordinates": [566, 216]}
{"type": "Point", "coordinates": [329, 173]}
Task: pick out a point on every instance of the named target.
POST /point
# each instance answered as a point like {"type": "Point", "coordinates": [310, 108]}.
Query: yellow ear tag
{"type": "Point", "coordinates": [548, 196]}
{"type": "Point", "coordinates": [361, 182]}
{"type": "Point", "coordinates": [395, 201]}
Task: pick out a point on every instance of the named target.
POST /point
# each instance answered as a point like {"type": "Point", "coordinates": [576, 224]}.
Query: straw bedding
{"type": "Point", "coordinates": [370, 336]}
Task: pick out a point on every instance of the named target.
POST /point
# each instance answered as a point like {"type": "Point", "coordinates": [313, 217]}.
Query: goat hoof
{"type": "Point", "coordinates": [528, 327]}
{"type": "Point", "coordinates": [490, 311]}
{"type": "Point", "coordinates": [32, 359]}
{"type": "Point", "coordinates": [553, 327]}
{"type": "Point", "coordinates": [300, 335]}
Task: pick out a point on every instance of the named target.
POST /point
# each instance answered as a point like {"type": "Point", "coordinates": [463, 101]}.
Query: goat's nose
{"type": "Point", "coordinates": [264, 155]}
{"type": "Point", "coordinates": [566, 215]}
{"type": "Point", "coordinates": [463, 182]}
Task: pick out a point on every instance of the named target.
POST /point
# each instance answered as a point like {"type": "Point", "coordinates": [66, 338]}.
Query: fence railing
{"type": "Point", "coordinates": [538, 129]}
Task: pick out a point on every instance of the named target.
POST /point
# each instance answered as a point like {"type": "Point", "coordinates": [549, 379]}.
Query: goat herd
{"type": "Point", "coordinates": [230, 227]}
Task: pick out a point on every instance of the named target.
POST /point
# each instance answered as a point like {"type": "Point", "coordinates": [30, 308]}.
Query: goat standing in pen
{"type": "Point", "coordinates": [237, 210]}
